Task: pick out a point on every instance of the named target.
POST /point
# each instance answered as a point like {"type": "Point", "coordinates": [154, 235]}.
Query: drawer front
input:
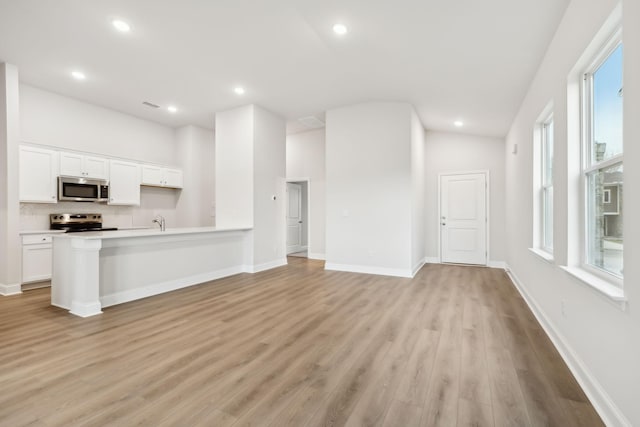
{"type": "Point", "coordinates": [36, 239]}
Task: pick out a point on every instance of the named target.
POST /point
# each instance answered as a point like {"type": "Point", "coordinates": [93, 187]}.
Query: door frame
{"type": "Point", "coordinates": [487, 208]}
{"type": "Point", "coordinates": [308, 219]}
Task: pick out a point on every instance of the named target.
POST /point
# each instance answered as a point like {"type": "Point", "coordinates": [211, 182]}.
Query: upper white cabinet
{"type": "Point", "coordinates": [124, 183]}
{"type": "Point", "coordinates": [38, 175]}
{"type": "Point", "coordinates": [161, 177]}
{"type": "Point", "coordinates": [83, 166]}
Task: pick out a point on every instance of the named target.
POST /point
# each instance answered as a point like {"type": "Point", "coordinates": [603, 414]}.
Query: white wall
{"type": "Point", "coordinates": [50, 119]}
{"type": "Point", "coordinates": [598, 338]}
{"type": "Point", "coordinates": [195, 152]}
{"type": "Point", "coordinates": [306, 159]}
{"type": "Point", "coordinates": [9, 211]}
{"type": "Point", "coordinates": [452, 152]}
{"type": "Point", "coordinates": [234, 167]}
{"type": "Point", "coordinates": [250, 179]}
{"type": "Point", "coordinates": [269, 166]}
{"type": "Point", "coordinates": [418, 221]}
{"type": "Point", "coordinates": [369, 188]}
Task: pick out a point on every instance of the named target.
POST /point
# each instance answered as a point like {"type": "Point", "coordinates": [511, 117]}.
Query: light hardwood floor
{"type": "Point", "coordinates": [294, 346]}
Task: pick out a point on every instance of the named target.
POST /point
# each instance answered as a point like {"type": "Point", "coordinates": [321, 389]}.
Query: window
{"type": "Point", "coordinates": [602, 171]}
{"type": "Point", "coordinates": [546, 196]}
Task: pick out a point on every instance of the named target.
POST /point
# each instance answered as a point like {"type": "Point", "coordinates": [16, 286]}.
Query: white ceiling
{"type": "Point", "coordinates": [452, 59]}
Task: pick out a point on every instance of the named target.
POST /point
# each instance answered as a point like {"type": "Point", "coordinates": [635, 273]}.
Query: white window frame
{"type": "Point", "coordinates": [589, 166]}
{"type": "Point", "coordinates": [545, 185]}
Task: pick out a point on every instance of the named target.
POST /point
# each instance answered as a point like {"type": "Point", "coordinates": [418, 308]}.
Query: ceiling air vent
{"type": "Point", "coordinates": [150, 104]}
{"type": "Point", "coordinates": [312, 122]}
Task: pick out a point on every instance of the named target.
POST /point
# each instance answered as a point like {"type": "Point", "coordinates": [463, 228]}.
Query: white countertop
{"type": "Point", "coordinates": [49, 231]}
{"type": "Point", "coordinates": [123, 233]}
{"type": "Point", "coordinates": [28, 232]}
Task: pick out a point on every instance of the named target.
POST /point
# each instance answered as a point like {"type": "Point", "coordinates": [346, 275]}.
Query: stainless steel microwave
{"type": "Point", "coordinates": [82, 189]}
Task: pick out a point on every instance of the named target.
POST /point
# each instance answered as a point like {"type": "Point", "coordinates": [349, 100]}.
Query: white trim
{"type": "Point", "coordinates": [265, 266]}
{"type": "Point", "coordinates": [432, 260]}
{"type": "Point", "coordinates": [85, 310]}
{"type": "Point", "coordinates": [316, 255]}
{"type": "Point", "coordinates": [367, 269]}
{"type": "Point", "coordinates": [601, 401]}
{"type": "Point", "coordinates": [487, 208]}
{"type": "Point", "coordinates": [548, 257]}
{"type": "Point", "coordinates": [168, 286]}
{"type": "Point", "coordinates": [418, 266]}
{"type": "Point", "coordinates": [612, 292]}
{"type": "Point", "coordinates": [13, 289]}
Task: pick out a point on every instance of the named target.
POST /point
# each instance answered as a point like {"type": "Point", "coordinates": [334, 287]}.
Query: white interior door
{"type": "Point", "coordinates": [463, 218]}
{"type": "Point", "coordinates": [294, 218]}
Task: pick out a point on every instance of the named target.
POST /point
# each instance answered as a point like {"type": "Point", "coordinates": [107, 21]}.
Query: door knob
{"type": "Point", "coordinates": [299, 222]}
{"type": "Point", "coordinates": [444, 223]}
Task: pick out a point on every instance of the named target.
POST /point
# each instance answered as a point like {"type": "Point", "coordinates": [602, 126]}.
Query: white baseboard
{"type": "Point", "coordinates": [265, 266]}
{"type": "Point", "coordinates": [366, 269]}
{"type": "Point", "coordinates": [497, 264]}
{"type": "Point", "coordinates": [170, 285]}
{"type": "Point", "coordinates": [418, 266]}
{"type": "Point", "coordinates": [604, 405]}
{"type": "Point", "coordinates": [13, 289]}
{"type": "Point", "coordinates": [432, 260]}
{"type": "Point", "coordinates": [316, 255]}
{"type": "Point", "coordinates": [85, 310]}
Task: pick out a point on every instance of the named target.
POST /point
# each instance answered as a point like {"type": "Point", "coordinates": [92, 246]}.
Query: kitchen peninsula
{"type": "Point", "coordinates": [99, 269]}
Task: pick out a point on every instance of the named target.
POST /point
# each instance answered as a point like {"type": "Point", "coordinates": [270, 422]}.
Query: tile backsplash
{"type": "Point", "coordinates": [153, 201]}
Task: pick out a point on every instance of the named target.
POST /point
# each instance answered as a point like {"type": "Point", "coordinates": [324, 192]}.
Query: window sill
{"type": "Point", "coordinates": [609, 290]}
{"type": "Point", "coordinates": [542, 254]}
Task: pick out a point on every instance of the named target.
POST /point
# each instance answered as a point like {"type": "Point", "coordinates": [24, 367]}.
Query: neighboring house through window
{"type": "Point", "coordinates": [602, 171]}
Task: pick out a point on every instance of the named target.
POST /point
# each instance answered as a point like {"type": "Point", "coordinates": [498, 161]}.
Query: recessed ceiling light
{"type": "Point", "coordinates": [78, 75]}
{"type": "Point", "coordinates": [239, 90]}
{"type": "Point", "coordinates": [121, 26]}
{"type": "Point", "coordinates": [340, 29]}
{"type": "Point", "coordinates": [458, 123]}
{"type": "Point", "coordinates": [172, 109]}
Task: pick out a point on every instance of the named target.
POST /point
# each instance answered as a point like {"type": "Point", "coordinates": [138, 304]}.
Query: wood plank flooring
{"type": "Point", "coordinates": [294, 346]}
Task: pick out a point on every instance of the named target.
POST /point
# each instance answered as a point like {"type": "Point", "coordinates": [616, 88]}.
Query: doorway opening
{"type": "Point", "coordinates": [298, 218]}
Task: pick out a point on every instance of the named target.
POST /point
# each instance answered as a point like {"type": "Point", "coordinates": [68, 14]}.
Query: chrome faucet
{"type": "Point", "coordinates": [159, 219]}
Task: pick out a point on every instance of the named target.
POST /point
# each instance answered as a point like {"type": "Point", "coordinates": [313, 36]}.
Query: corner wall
{"type": "Point", "coordinates": [369, 188]}
{"type": "Point", "coordinates": [306, 159]}
{"type": "Point", "coordinates": [195, 152]}
{"type": "Point", "coordinates": [453, 152]}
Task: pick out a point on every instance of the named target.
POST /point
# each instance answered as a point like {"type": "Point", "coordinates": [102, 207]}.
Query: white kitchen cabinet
{"type": "Point", "coordinates": [158, 176]}
{"type": "Point", "coordinates": [173, 178]}
{"type": "Point", "coordinates": [36, 258]}
{"type": "Point", "coordinates": [83, 166]}
{"type": "Point", "coordinates": [124, 183]}
{"type": "Point", "coordinates": [38, 173]}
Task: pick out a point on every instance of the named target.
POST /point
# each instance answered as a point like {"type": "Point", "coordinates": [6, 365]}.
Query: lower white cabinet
{"type": "Point", "coordinates": [37, 258]}
{"type": "Point", "coordinates": [124, 183]}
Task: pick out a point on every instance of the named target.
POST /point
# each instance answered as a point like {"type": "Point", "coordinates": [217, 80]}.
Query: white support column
{"type": "Point", "coordinates": [85, 300]}
{"type": "Point", "coordinates": [10, 253]}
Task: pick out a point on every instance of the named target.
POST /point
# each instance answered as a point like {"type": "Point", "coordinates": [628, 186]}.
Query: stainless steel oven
{"type": "Point", "coordinates": [82, 189]}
